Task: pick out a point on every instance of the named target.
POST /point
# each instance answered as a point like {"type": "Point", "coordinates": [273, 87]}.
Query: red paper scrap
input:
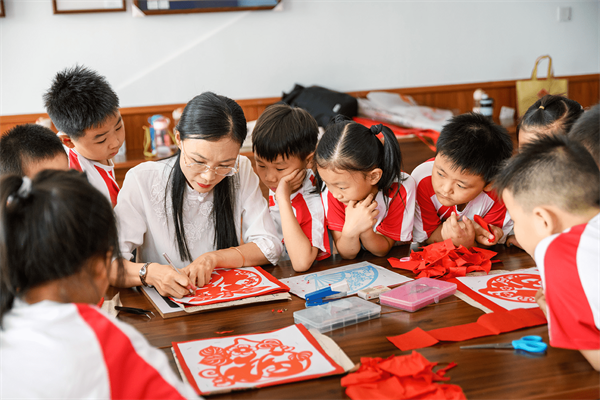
{"type": "Point", "coordinates": [444, 260]}
{"type": "Point", "coordinates": [404, 377]}
{"type": "Point", "coordinates": [222, 332]}
{"type": "Point", "coordinates": [486, 325]}
{"type": "Point", "coordinates": [484, 225]}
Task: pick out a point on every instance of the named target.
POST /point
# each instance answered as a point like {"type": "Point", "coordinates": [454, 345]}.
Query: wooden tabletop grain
{"type": "Point", "coordinates": [482, 374]}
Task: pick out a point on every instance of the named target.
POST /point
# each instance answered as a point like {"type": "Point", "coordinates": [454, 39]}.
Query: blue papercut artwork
{"type": "Point", "coordinates": [357, 278]}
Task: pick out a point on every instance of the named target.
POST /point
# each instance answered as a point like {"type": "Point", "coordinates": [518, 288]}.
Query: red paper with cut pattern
{"type": "Point", "coordinates": [249, 361]}
{"type": "Point", "coordinates": [444, 260]}
{"type": "Point", "coordinates": [501, 292]}
{"type": "Point", "coordinates": [234, 284]}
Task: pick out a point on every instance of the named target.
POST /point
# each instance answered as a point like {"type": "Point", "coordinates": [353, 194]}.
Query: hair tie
{"type": "Point", "coordinates": [542, 107]}
{"type": "Point", "coordinates": [23, 191]}
{"type": "Point", "coordinates": [376, 129]}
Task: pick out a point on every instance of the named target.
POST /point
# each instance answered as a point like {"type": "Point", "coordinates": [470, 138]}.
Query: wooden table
{"type": "Point", "coordinates": [482, 374]}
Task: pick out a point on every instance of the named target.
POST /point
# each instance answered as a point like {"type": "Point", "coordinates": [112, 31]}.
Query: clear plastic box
{"type": "Point", "coordinates": [414, 295]}
{"type": "Point", "coordinates": [337, 314]}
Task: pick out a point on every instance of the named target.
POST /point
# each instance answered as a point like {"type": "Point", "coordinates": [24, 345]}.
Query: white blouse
{"type": "Point", "coordinates": [146, 224]}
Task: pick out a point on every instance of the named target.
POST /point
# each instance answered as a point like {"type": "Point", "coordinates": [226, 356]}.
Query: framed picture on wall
{"type": "Point", "coordinates": [89, 6]}
{"type": "Point", "coordinates": [154, 7]}
{"type": "Point", "coordinates": [1, 8]}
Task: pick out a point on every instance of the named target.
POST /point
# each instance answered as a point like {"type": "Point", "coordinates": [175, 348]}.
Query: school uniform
{"type": "Point", "coordinates": [76, 351]}
{"type": "Point", "coordinates": [569, 264]}
{"type": "Point", "coordinates": [395, 218]}
{"type": "Point", "coordinates": [145, 221]}
{"type": "Point", "coordinates": [101, 176]}
{"type": "Point", "coordinates": [308, 209]}
{"type": "Point", "coordinates": [430, 213]}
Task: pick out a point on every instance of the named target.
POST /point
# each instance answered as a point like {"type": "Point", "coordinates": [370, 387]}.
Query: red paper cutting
{"type": "Point", "coordinates": [444, 260]}
{"type": "Point", "coordinates": [400, 377]}
{"type": "Point", "coordinates": [486, 325]}
{"type": "Point", "coordinates": [234, 284]}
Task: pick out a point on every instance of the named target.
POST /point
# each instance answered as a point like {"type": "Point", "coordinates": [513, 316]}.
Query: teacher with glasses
{"type": "Point", "coordinates": [202, 207]}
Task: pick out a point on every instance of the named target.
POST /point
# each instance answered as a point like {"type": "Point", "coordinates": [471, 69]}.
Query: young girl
{"type": "Point", "coordinates": [198, 206]}
{"type": "Point", "coordinates": [57, 239]}
{"type": "Point", "coordinates": [368, 200]}
{"type": "Point", "coordinates": [551, 114]}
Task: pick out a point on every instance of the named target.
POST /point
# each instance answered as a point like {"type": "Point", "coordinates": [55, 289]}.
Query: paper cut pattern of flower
{"type": "Point", "coordinates": [519, 288]}
{"type": "Point", "coordinates": [249, 361]}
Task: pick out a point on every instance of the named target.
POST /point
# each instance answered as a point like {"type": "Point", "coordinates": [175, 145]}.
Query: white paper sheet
{"type": "Point", "coordinates": [359, 276]}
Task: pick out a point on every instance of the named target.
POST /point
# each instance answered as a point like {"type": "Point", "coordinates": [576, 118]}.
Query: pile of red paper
{"type": "Point", "coordinates": [400, 377]}
{"type": "Point", "coordinates": [444, 260]}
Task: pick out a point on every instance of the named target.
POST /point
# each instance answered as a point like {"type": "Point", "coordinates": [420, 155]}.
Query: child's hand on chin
{"type": "Point", "coordinates": [460, 232]}
{"type": "Point", "coordinates": [361, 215]}
{"type": "Point", "coordinates": [289, 183]}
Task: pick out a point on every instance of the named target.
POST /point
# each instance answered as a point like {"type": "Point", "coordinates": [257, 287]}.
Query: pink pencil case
{"type": "Point", "coordinates": [413, 296]}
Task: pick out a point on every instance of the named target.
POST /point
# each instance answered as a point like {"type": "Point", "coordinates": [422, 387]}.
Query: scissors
{"type": "Point", "coordinates": [530, 344]}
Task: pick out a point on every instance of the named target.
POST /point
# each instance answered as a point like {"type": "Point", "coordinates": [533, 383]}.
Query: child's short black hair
{"type": "Point", "coordinates": [79, 99]}
{"type": "Point", "coordinates": [26, 144]}
{"type": "Point", "coordinates": [475, 144]}
{"type": "Point", "coordinates": [284, 131]}
{"type": "Point", "coordinates": [552, 114]}
{"type": "Point", "coordinates": [552, 169]}
{"type": "Point", "coordinates": [587, 131]}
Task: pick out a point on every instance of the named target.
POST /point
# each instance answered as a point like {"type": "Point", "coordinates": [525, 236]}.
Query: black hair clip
{"type": "Point", "coordinates": [137, 311]}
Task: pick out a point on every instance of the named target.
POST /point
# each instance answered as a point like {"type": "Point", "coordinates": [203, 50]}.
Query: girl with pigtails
{"type": "Point", "coordinates": [369, 202]}
{"type": "Point", "coordinates": [58, 236]}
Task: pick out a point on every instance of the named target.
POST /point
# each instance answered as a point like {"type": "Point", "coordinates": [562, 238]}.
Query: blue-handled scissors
{"type": "Point", "coordinates": [530, 344]}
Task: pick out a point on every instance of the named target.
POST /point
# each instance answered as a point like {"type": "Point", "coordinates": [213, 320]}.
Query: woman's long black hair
{"type": "Point", "coordinates": [51, 228]}
{"type": "Point", "coordinates": [350, 146]}
{"type": "Point", "coordinates": [208, 117]}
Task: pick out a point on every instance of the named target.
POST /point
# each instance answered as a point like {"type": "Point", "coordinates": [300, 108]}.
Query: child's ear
{"type": "Point", "coordinates": [374, 176]}
{"type": "Point", "coordinates": [488, 187]}
{"type": "Point", "coordinates": [545, 221]}
{"type": "Point", "coordinates": [309, 160]}
{"type": "Point", "coordinates": [66, 140]}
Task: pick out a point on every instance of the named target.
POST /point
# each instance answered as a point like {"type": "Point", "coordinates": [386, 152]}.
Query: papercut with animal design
{"type": "Point", "coordinates": [246, 361]}
{"type": "Point", "coordinates": [513, 287]}
{"type": "Point", "coordinates": [359, 276]}
{"type": "Point", "coordinates": [233, 284]}
{"type": "Point", "coordinates": [250, 361]}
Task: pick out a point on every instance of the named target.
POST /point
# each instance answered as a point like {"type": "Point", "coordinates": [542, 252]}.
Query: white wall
{"type": "Point", "coordinates": [344, 45]}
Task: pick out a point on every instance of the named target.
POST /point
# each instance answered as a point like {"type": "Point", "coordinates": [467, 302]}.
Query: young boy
{"type": "Point", "coordinates": [552, 190]}
{"type": "Point", "coordinates": [457, 185]}
{"type": "Point", "coordinates": [587, 131]}
{"type": "Point", "coordinates": [85, 109]}
{"type": "Point", "coordinates": [27, 149]}
{"type": "Point", "coordinates": [284, 141]}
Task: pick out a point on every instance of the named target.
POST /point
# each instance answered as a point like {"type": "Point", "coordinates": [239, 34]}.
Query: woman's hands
{"type": "Point", "coordinates": [168, 282]}
{"type": "Point", "coordinates": [200, 270]}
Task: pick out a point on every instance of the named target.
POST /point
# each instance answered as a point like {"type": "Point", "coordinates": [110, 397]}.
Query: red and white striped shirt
{"type": "Point", "coordinates": [395, 218]}
{"type": "Point", "coordinates": [308, 209]}
{"type": "Point", "coordinates": [569, 264]}
{"type": "Point", "coordinates": [101, 176]}
{"type": "Point", "coordinates": [65, 350]}
{"type": "Point", "coordinates": [430, 213]}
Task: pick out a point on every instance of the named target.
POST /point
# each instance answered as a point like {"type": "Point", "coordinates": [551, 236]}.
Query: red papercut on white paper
{"type": "Point", "coordinates": [509, 290]}
{"type": "Point", "coordinates": [233, 284]}
{"type": "Point", "coordinates": [237, 362]}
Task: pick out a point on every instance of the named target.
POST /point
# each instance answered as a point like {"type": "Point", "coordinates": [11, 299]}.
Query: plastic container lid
{"type": "Point", "coordinates": [337, 314]}
{"type": "Point", "coordinates": [414, 295]}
